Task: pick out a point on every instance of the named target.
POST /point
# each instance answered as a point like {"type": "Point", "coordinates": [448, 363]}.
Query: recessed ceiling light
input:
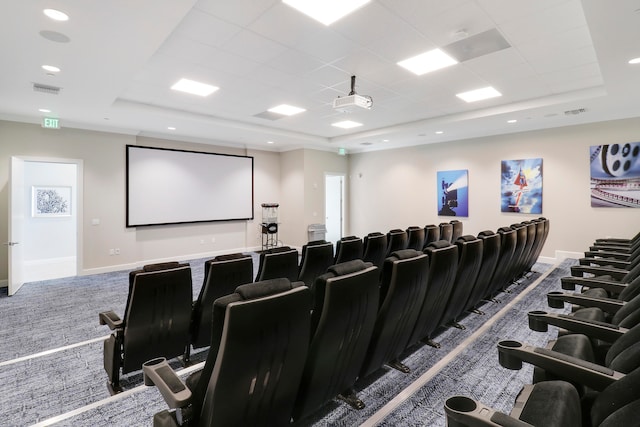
{"type": "Point", "coordinates": [479, 94]}
{"type": "Point", "coordinates": [385, 140]}
{"type": "Point", "coordinates": [426, 62]}
{"type": "Point", "coordinates": [51, 68]}
{"type": "Point", "coordinates": [56, 15]}
{"type": "Point", "coordinates": [171, 128]}
{"type": "Point", "coordinates": [326, 11]}
{"type": "Point", "coordinates": [286, 110]}
{"type": "Point", "coordinates": [512, 121]}
{"type": "Point", "coordinates": [193, 87]}
{"type": "Point", "coordinates": [44, 110]}
{"type": "Point", "coordinates": [269, 142]}
{"type": "Point", "coordinates": [439, 132]}
{"type": "Point", "coordinates": [634, 61]}
{"type": "Point", "coordinates": [346, 124]}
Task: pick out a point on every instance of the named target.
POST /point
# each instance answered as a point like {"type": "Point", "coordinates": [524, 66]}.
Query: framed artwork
{"type": "Point", "coordinates": [453, 193]}
{"type": "Point", "coordinates": [50, 201]}
{"type": "Point", "coordinates": [521, 186]}
{"type": "Point", "coordinates": [615, 175]}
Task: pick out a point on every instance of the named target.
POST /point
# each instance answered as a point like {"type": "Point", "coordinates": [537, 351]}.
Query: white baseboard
{"type": "Point", "coordinates": [138, 264]}
{"type": "Point", "coordinates": [547, 260]}
{"type": "Point", "coordinates": [560, 255]}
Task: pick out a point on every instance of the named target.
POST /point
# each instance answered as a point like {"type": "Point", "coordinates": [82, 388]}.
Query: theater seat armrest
{"type": "Point", "coordinates": [605, 262]}
{"type": "Point", "coordinates": [616, 273]}
{"type": "Point", "coordinates": [511, 355]}
{"type": "Point", "coordinates": [607, 254]}
{"type": "Point", "coordinates": [625, 249]}
{"type": "Point", "coordinates": [158, 372]}
{"type": "Point", "coordinates": [111, 319]}
{"type": "Point", "coordinates": [463, 411]}
{"type": "Point", "coordinates": [569, 283]}
{"type": "Point", "coordinates": [539, 321]}
{"type": "Point", "coordinates": [557, 299]}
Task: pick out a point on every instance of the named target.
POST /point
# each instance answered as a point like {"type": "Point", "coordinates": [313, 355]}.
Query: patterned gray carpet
{"type": "Point", "coordinates": [48, 315]}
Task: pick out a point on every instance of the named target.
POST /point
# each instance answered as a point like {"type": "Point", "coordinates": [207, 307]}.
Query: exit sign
{"type": "Point", "coordinates": [50, 123]}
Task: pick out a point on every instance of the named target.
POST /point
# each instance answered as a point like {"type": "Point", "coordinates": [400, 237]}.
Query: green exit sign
{"type": "Point", "coordinates": [50, 123]}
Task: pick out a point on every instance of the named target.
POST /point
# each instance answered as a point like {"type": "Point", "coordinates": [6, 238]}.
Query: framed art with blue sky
{"type": "Point", "coordinates": [521, 186]}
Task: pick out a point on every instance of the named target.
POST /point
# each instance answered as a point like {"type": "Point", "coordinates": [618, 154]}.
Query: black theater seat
{"type": "Point", "coordinates": [402, 289]}
{"type": "Point", "coordinates": [259, 343]}
{"type": "Point", "coordinates": [457, 231]}
{"type": "Point", "coordinates": [317, 257]}
{"type": "Point", "coordinates": [500, 280]}
{"type": "Point", "coordinates": [443, 262]}
{"type": "Point", "coordinates": [278, 262]}
{"type": "Point", "coordinates": [415, 236]}
{"type": "Point", "coordinates": [490, 254]}
{"type": "Point", "coordinates": [342, 324]}
{"type": "Point", "coordinates": [222, 275]}
{"type": "Point", "coordinates": [375, 249]}
{"type": "Point", "coordinates": [446, 231]}
{"type": "Point", "coordinates": [431, 234]}
{"type": "Point", "coordinates": [396, 240]}
{"type": "Point", "coordinates": [155, 322]}
{"type": "Point", "coordinates": [347, 249]}
{"type": "Point", "coordinates": [469, 262]}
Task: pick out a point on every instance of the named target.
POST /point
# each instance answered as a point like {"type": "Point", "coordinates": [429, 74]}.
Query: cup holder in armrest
{"type": "Point", "coordinates": [536, 321]}
{"type": "Point", "coordinates": [506, 359]}
{"type": "Point", "coordinates": [567, 284]}
{"type": "Point", "coordinates": [461, 404]}
{"type": "Point", "coordinates": [554, 299]}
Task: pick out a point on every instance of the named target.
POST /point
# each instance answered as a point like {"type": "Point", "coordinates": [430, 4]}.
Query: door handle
{"type": "Point", "coordinates": [11, 243]}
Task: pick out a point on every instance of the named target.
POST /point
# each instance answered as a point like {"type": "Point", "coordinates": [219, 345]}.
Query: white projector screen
{"type": "Point", "coordinates": [166, 186]}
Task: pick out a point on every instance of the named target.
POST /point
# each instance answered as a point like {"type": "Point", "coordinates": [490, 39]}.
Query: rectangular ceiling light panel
{"type": "Point", "coordinates": [346, 124]}
{"type": "Point", "coordinates": [326, 11]}
{"type": "Point", "coordinates": [427, 62]}
{"type": "Point", "coordinates": [479, 94]}
{"type": "Point", "coordinates": [194, 88]}
{"type": "Point", "coordinates": [286, 110]}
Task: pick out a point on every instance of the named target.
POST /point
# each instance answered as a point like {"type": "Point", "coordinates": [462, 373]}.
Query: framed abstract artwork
{"type": "Point", "coordinates": [615, 175]}
{"type": "Point", "coordinates": [521, 186]}
{"type": "Point", "coordinates": [453, 193]}
{"type": "Point", "coordinates": [50, 201]}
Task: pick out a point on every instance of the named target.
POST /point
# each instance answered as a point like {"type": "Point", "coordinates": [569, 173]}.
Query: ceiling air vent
{"type": "Point", "coordinates": [52, 90]}
{"type": "Point", "coordinates": [574, 112]}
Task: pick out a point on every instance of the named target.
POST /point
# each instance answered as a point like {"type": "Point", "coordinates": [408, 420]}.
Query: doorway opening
{"type": "Point", "coordinates": [44, 219]}
{"type": "Point", "coordinates": [334, 206]}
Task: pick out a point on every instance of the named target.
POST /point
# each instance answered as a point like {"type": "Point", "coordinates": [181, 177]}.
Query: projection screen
{"type": "Point", "coordinates": [167, 186]}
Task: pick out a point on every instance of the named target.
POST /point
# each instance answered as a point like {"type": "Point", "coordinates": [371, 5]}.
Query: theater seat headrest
{"type": "Point", "coordinates": [161, 266]}
{"type": "Point", "coordinates": [375, 234]}
{"type": "Point", "coordinates": [280, 249]}
{"type": "Point", "coordinates": [505, 229]}
{"type": "Point", "coordinates": [486, 233]}
{"type": "Point", "coordinates": [440, 244]}
{"type": "Point", "coordinates": [466, 238]}
{"type": "Point", "coordinates": [230, 257]}
{"type": "Point", "coordinates": [263, 288]}
{"type": "Point", "coordinates": [349, 267]}
{"type": "Point", "coordinates": [405, 254]}
{"type": "Point", "coordinates": [316, 242]}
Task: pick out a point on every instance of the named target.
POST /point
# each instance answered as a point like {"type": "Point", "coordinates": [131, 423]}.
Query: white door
{"type": "Point", "coordinates": [16, 220]}
{"type": "Point", "coordinates": [334, 207]}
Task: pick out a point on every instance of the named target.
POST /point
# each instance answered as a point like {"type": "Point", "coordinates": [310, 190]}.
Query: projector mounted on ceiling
{"type": "Point", "coordinates": [347, 104]}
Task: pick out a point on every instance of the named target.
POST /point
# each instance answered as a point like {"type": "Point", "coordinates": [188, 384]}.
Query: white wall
{"type": "Point", "coordinates": [388, 189]}
{"type": "Point", "coordinates": [397, 188]}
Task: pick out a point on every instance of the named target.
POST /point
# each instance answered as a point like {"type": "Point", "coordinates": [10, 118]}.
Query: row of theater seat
{"type": "Point", "coordinates": [589, 375]}
{"type": "Point", "coordinates": [275, 355]}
